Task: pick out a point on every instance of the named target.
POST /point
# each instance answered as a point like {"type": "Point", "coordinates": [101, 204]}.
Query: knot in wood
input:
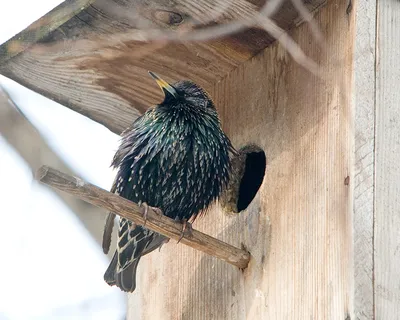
{"type": "Point", "coordinates": [168, 17]}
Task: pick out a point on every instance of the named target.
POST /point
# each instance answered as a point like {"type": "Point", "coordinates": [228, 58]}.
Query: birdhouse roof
{"type": "Point", "coordinates": [93, 56]}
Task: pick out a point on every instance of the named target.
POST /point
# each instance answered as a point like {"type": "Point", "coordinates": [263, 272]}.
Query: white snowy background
{"type": "Point", "coordinates": [50, 266]}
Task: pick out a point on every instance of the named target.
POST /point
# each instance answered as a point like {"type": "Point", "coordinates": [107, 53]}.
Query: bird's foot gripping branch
{"type": "Point", "coordinates": [133, 212]}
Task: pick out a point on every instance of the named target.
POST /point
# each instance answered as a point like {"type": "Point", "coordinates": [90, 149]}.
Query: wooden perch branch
{"type": "Point", "coordinates": [130, 210]}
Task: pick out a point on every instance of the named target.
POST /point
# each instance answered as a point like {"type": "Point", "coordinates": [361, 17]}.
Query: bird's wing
{"type": "Point", "coordinates": [133, 243]}
{"type": "Point", "coordinates": [126, 279]}
{"type": "Point", "coordinates": [109, 224]}
{"type": "Point", "coordinates": [107, 233]}
{"type": "Point", "coordinates": [122, 152]}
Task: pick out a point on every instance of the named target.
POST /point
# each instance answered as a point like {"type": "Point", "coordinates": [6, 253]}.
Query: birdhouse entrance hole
{"type": "Point", "coordinates": [253, 176]}
{"type": "Point", "coordinates": [248, 171]}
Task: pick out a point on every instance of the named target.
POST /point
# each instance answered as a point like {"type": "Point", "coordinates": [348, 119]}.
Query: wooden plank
{"type": "Point", "coordinates": [299, 227]}
{"type": "Point", "coordinates": [364, 158]}
{"type": "Point", "coordinates": [41, 28]}
{"type": "Point", "coordinates": [387, 180]}
{"type": "Point", "coordinates": [109, 82]}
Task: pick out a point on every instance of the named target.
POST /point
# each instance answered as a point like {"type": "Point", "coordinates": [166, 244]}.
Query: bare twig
{"type": "Point", "coordinates": [232, 16]}
{"type": "Point", "coordinates": [130, 210]}
{"type": "Point", "coordinates": [289, 45]}
{"type": "Point", "coordinates": [307, 16]}
{"type": "Point", "coordinates": [242, 16]}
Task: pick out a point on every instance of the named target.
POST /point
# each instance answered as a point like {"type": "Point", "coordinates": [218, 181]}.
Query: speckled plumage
{"type": "Point", "coordinates": [174, 157]}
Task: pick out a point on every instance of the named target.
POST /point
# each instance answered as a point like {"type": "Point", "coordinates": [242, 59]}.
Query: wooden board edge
{"type": "Point", "coordinates": [363, 176]}
{"type": "Point", "coordinates": [41, 27]}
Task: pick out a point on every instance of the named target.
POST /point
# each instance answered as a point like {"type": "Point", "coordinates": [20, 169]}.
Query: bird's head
{"type": "Point", "coordinates": [183, 92]}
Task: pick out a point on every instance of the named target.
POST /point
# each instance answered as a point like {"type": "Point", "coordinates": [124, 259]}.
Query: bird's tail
{"type": "Point", "coordinates": [131, 246]}
{"type": "Point", "coordinates": [125, 279]}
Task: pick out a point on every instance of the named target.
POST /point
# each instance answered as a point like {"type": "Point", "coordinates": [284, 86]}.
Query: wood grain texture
{"type": "Point", "coordinates": [127, 209]}
{"type": "Point", "coordinates": [387, 180]}
{"type": "Point", "coordinates": [299, 227]}
{"type": "Point", "coordinates": [109, 83]}
{"type": "Point", "coordinates": [41, 28]}
{"type": "Point", "coordinates": [364, 158]}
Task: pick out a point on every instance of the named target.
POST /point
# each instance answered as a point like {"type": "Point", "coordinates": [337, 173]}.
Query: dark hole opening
{"type": "Point", "coordinates": [252, 178]}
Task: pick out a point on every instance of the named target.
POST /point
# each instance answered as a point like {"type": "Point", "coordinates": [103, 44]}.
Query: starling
{"type": "Point", "coordinates": [174, 157]}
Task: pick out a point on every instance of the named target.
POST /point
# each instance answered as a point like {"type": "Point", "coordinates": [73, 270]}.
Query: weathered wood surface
{"type": "Point", "coordinates": [387, 159]}
{"type": "Point", "coordinates": [41, 28]}
{"type": "Point", "coordinates": [299, 227]}
{"type": "Point", "coordinates": [109, 83]}
{"type": "Point", "coordinates": [364, 159]}
{"type": "Point", "coordinates": [131, 211]}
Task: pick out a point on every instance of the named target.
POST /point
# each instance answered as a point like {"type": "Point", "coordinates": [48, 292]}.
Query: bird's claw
{"type": "Point", "coordinates": [146, 207]}
{"type": "Point", "coordinates": [186, 228]}
{"type": "Point", "coordinates": [157, 211]}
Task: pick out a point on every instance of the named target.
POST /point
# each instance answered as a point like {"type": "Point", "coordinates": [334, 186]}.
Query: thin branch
{"type": "Point", "coordinates": [232, 16]}
{"type": "Point", "coordinates": [130, 210]}
{"type": "Point", "coordinates": [241, 11]}
{"type": "Point", "coordinates": [289, 45]}
{"type": "Point", "coordinates": [307, 16]}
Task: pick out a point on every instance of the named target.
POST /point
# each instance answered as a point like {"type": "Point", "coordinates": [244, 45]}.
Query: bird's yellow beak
{"type": "Point", "coordinates": [164, 85]}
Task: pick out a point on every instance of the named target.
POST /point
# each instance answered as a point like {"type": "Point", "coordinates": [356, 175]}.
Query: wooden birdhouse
{"type": "Point", "coordinates": [314, 197]}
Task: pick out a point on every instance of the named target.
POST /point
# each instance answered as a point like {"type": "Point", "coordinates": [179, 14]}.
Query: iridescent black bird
{"type": "Point", "coordinates": [174, 157]}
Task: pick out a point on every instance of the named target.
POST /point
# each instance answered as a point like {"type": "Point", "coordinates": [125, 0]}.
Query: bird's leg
{"type": "Point", "coordinates": [146, 210]}
{"type": "Point", "coordinates": [145, 207]}
{"type": "Point", "coordinates": [186, 227]}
